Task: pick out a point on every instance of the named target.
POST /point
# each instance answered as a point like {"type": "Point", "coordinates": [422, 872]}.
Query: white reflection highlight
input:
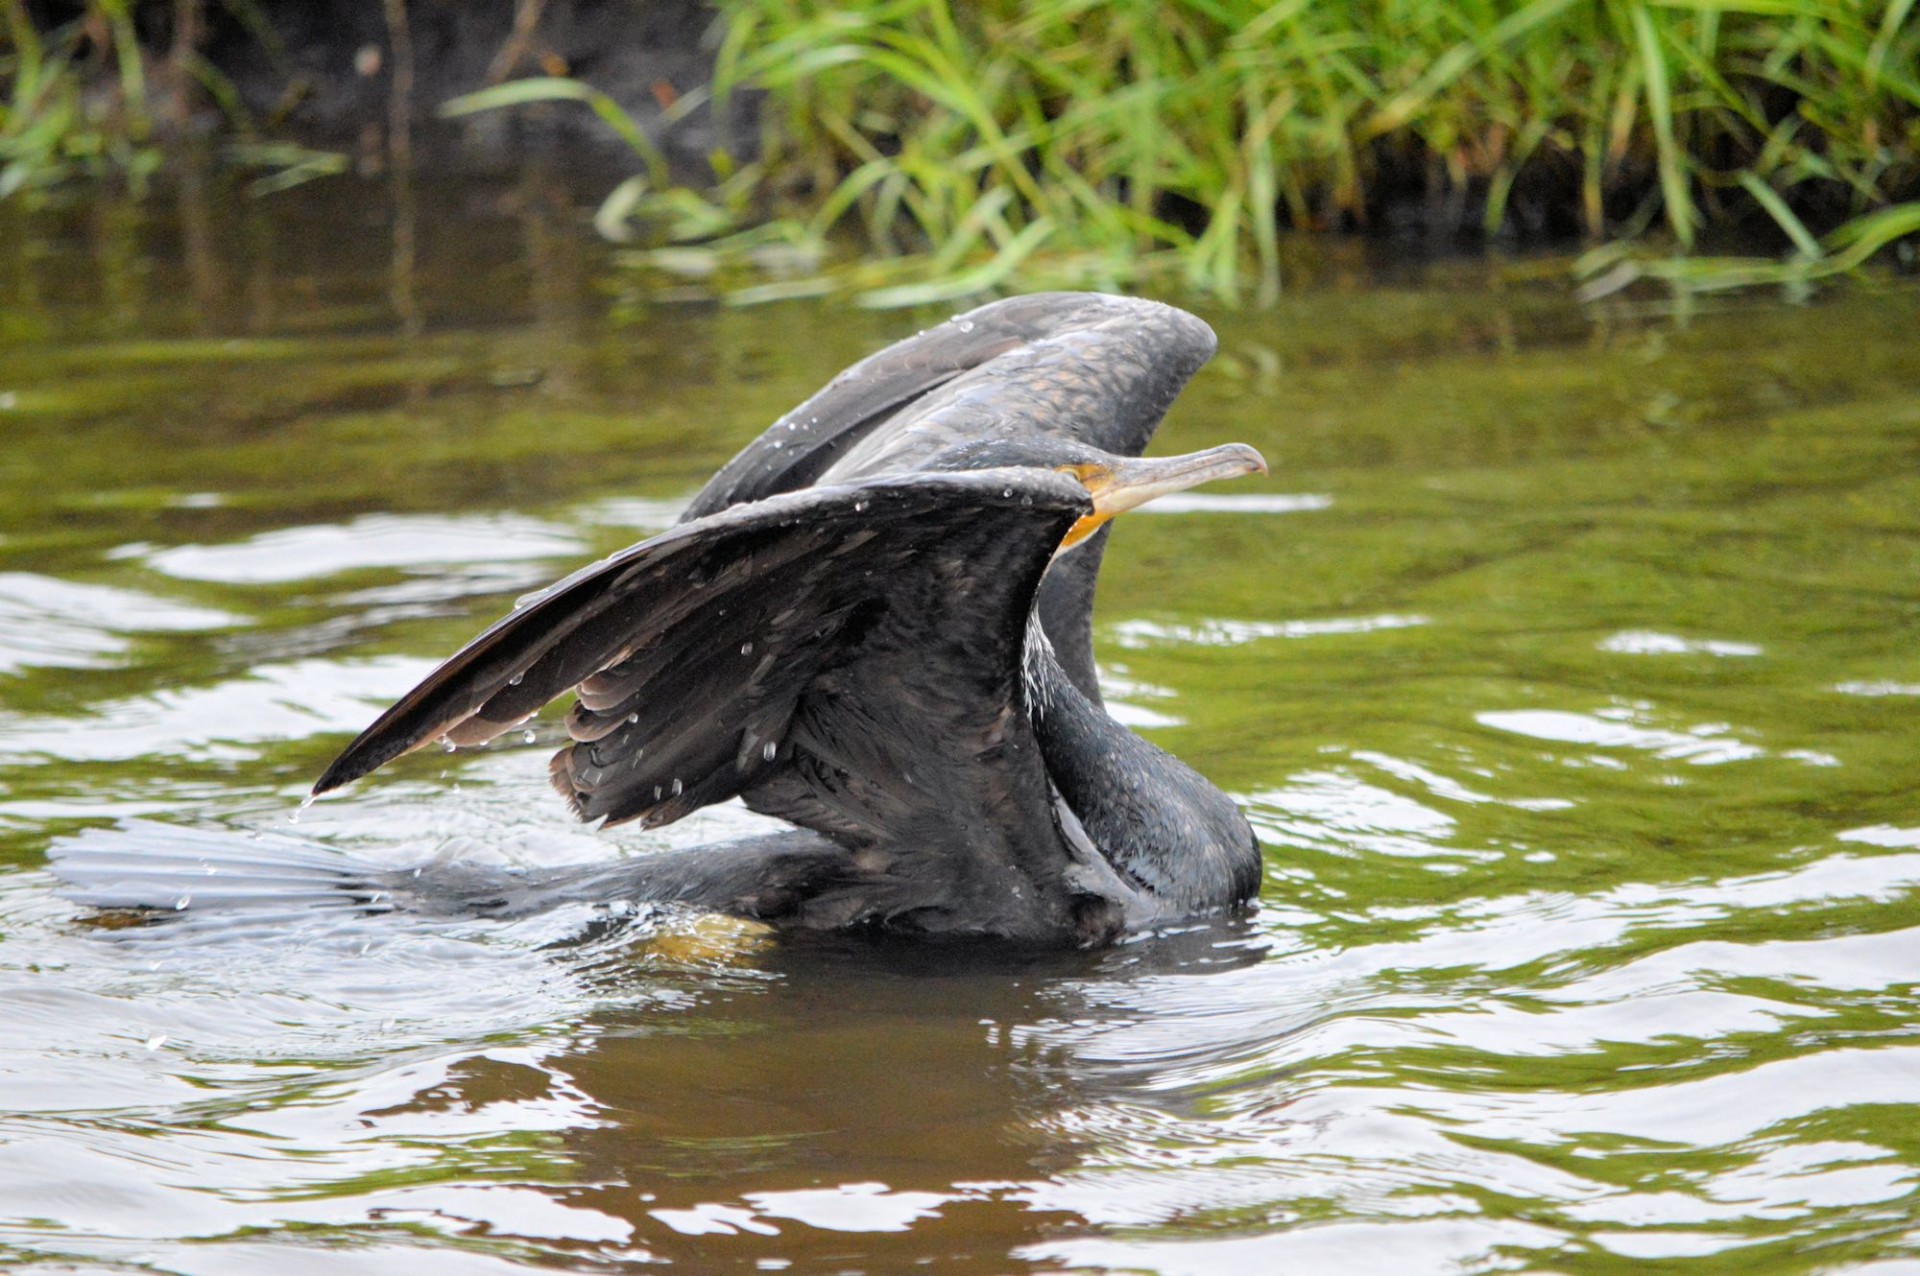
{"type": "Point", "coordinates": [1646, 642]}
{"type": "Point", "coordinates": [852, 1207]}
{"type": "Point", "coordinates": [1882, 835]}
{"type": "Point", "coordinates": [1882, 687]}
{"type": "Point", "coordinates": [709, 1219]}
{"type": "Point", "coordinates": [1325, 1249]}
{"type": "Point", "coordinates": [1712, 1111]}
{"type": "Point", "coordinates": [49, 623]}
{"type": "Point", "coordinates": [272, 702]}
{"type": "Point", "coordinates": [425, 590]}
{"type": "Point", "coordinates": [1123, 694]}
{"type": "Point", "coordinates": [1446, 787]}
{"type": "Point", "coordinates": [648, 514]}
{"type": "Point", "coordinates": [1334, 812]}
{"type": "Point", "coordinates": [1703, 745]}
{"type": "Point", "coordinates": [1228, 633]}
{"type": "Point", "coordinates": [377, 540]}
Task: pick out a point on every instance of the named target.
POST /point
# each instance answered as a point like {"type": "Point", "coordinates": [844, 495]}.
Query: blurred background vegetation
{"type": "Point", "coordinates": [910, 151]}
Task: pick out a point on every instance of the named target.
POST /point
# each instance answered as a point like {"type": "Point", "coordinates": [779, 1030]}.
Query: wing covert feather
{"type": "Point", "coordinates": [1109, 366]}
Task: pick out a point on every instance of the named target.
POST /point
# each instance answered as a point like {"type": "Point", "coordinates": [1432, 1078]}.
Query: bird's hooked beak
{"type": "Point", "coordinates": [1130, 483]}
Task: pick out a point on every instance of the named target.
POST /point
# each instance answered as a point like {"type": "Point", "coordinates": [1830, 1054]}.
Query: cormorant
{"type": "Point", "coordinates": [875, 624]}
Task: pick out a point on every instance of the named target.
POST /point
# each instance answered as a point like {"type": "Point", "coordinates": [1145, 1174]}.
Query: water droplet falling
{"type": "Point", "coordinates": [529, 737]}
{"type": "Point", "coordinates": [746, 648]}
{"type": "Point", "coordinates": [676, 787]}
{"type": "Point", "coordinates": [769, 750]}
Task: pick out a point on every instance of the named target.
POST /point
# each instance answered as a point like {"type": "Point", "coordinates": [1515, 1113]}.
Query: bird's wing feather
{"type": "Point", "coordinates": [1105, 380]}
{"type": "Point", "coordinates": [694, 651]}
{"type": "Point", "coordinates": [1132, 358]}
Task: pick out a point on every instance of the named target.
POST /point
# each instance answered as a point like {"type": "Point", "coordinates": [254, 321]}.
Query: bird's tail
{"type": "Point", "coordinates": [147, 867]}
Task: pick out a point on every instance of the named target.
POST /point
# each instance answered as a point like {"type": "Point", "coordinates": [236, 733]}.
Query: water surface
{"type": "Point", "coordinates": [1566, 664]}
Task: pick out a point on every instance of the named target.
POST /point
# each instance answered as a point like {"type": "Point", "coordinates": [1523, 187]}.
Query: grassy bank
{"type": "Point", "coordinates": [1094, 143]}
{"type": "Point", "coordinates": [918, 150]}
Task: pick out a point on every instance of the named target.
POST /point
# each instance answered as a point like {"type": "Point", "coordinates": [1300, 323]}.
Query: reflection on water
{"type": "Point", "coordinates": [306, 553]}
{"type": "Point", "coordinates": [47, 622]}
{"type": "Point", "coordinates": [1568, 673]}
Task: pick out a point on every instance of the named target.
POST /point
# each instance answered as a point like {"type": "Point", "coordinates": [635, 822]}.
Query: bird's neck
{"type": "Point", "coordinates": [1065, 611]}
{"type": "Point", "coordinates": [1158, 821]}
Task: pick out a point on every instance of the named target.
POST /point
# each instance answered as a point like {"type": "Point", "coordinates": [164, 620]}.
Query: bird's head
{"type": "Point", "coordinates": [1115, 484]}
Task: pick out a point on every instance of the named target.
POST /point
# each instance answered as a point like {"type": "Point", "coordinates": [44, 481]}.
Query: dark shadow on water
{"type": "Point", "coordinates": [902, 1103]}
{"type": "Point", "coordinates": [1189, 948]}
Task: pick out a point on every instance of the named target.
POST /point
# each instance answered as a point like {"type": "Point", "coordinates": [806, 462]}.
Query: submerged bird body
{"type": "Point", "coordinates": [875, 624]}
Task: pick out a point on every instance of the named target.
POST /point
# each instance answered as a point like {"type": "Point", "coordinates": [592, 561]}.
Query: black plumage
{"type": "Point", "coordinates": [874, 623]}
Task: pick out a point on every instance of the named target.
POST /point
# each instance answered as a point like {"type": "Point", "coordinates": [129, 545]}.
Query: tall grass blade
{"type": "Point", "coordinates": [1673, 180]}
{"type": "Point", "coordinates": [1803, 241]}
{"type": "Point", "coordinates": [560, 89]}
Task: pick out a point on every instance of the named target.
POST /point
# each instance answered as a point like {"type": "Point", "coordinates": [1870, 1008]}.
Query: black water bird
{"type": "Point", "coordinates": [875, 624]}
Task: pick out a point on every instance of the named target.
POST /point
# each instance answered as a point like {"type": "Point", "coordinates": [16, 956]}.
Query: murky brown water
{"type": "Point", "coordinates": [1567, 664]}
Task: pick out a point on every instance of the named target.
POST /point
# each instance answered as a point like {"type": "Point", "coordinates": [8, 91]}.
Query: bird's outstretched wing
{"type": "Point", "coordinates": [847, 658]}
{"type": "Point", "coordinates": [1095, 368]}
{"type": "Point", "coordinates": [895, 604]}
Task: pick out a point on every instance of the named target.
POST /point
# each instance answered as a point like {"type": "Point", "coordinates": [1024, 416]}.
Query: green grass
{"type": "Point", "coordinates": [948, 148]}
{"type": "Point", "coordinates": [917, 151]}
{"type": "Point", "coordinates": [50, 128]}
{"type": "Point", "coordinates": [80, 99]}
